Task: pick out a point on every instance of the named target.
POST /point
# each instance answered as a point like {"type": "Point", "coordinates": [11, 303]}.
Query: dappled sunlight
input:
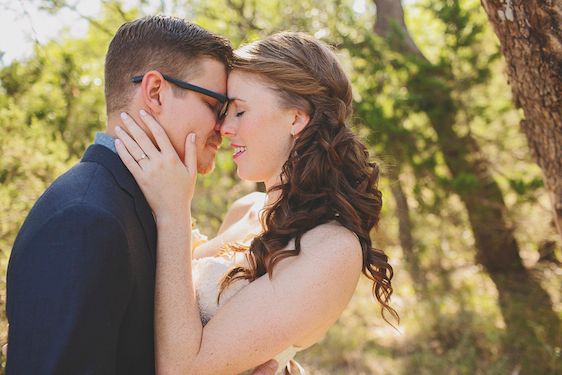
{"type": "Point", "coordinates": [466, 220]}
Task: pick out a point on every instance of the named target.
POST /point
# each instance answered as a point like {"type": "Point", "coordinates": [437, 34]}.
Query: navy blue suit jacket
{"type": "Point", "coordinates": [80, 283]}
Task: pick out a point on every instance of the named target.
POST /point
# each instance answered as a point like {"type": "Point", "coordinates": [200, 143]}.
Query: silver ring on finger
{"type": "Point", "coordinates": [142, 157]}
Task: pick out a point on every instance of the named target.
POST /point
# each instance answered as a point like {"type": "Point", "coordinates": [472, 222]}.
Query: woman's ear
{"type": "Point", "coordinates": [300, 120]}
{"type": "Point", "coordinates": [151, 91]}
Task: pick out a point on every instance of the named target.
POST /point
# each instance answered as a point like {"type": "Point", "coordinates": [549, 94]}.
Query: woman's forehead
{"type": "Point", "coordinates": [243, 86]}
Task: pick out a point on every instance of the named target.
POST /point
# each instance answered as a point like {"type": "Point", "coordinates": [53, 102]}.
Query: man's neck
{"type": "Point", "coordinates": [114, 120]}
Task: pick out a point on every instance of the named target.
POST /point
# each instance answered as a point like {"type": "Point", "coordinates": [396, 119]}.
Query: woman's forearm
{"type": "Point", "coordinates": [238, 232]}
{"type": "Point", "coordinates": [210, 248]}
{"type": "Point", "coordinates": [214, 246]}
{"type": "Point", "coordinates": [177, 325]}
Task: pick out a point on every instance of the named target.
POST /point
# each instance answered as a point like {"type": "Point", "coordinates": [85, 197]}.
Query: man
{"type": "Point", "coordinates": [80, 284]}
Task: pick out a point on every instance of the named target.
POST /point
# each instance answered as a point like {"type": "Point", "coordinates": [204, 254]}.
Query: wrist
{"type": "Point", "coordinates": [178, 218]}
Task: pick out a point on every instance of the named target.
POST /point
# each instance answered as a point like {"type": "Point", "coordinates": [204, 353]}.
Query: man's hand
{"type": "Point", "coordinates": [267, 368]}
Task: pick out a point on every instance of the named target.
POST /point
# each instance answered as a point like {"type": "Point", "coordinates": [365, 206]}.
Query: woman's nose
{"type": "Point", "coordinates": [227, 128]}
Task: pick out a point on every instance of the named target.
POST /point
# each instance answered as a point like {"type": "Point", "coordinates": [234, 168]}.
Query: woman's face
{"type": "Point", "coordinates": [259, 129]}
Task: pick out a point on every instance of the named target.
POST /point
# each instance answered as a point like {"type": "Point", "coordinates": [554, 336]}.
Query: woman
{"type": "Point", "coordinates": [287, 123]}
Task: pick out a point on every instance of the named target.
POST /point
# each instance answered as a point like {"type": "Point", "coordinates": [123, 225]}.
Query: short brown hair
{"type": "Point", "coordinates": [167, 44]}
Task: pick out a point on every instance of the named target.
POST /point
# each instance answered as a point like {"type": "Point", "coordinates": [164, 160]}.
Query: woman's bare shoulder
{"type": "Point", "coordinates": [250, 199]}
{"type": "Point", "coordinates": [242, 206]}
{"type": "Point", "coordinates": [334, 243]}
{"type": "Point", "coordinates": [332, 232]}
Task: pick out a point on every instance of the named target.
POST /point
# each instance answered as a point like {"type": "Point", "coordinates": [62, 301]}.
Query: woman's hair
{"type": "Point", "coordinates": [328, 175]}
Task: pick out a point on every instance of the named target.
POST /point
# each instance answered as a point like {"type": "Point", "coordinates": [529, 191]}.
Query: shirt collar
{"type": "Point", "coordinates": [105, 140]}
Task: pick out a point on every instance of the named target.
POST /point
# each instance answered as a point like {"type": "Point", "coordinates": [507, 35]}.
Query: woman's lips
{"type": "Point", "coordinates": [238, 151]}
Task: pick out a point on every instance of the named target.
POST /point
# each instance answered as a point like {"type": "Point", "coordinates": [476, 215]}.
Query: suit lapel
{"type": "Point", "coordinates": [111, 161]}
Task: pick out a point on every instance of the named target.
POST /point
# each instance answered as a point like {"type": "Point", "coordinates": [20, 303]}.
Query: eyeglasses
{"type": "Point", "coordinates": [221, 109]}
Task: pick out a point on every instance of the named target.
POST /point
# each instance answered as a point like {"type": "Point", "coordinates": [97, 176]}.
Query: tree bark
{"type": "Point", "coordinates": [532, 327]}
{"type": "Point", "coordinates": [405, 233]}
{"type": "Point", "coordinates": [530, 35]}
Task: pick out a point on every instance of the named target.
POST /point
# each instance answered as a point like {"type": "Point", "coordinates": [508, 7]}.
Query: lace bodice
{"type": "Point", "coordinates": [207, 273]}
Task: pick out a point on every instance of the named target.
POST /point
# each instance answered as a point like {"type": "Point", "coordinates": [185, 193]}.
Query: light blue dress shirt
{"type": "Point", "coordinates": [105, 139]}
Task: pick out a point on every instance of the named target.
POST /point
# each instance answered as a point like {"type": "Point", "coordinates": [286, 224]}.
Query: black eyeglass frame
{"type": "Point", "coordinates": [223, 99]}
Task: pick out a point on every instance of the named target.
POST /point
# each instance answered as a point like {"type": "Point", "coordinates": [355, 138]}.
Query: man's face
{"type": "Point", "coordinates": [195, 112]}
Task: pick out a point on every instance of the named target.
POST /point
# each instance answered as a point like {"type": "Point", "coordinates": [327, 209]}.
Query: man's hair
{"type": "Point", "coordinates": [170, 45]}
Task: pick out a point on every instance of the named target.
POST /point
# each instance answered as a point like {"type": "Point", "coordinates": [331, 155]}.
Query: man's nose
{"type": "Point", "coordinates": [218, 125]}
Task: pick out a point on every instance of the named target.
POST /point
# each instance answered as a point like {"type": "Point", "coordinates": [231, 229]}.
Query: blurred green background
{"type": "Point", "coordinates": [441, 124]}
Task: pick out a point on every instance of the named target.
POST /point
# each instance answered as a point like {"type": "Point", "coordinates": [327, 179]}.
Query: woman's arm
{"type": "Point", "coordinates": [177, 322]}
{"type": "Point", "coordinates": [305, 296]}
{"type": "Point", "coordinates": [303, 299]}
{"type": "Point", "coordinates": [168, 185]}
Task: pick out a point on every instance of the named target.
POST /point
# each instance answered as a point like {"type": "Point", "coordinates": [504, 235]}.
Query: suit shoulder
{"type": "Point", "coordinates": [71, 185]}
{"type": "Point", "coordinates": [82, 212]}
{"type": "Point", "coordinates": [78, 180]}
{"type": "Point", "coordinates": [87, 183]}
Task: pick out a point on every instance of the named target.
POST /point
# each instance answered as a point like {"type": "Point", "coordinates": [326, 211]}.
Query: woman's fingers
{"type": "Point", "coordinates": [133, 149]}
{"type": "Point", "coordinates": [139, 135]}
{"type": "Point", "coordinates": [158, 132]}
{"type": "Point", "coordinates": [128, 160]}
{"type": "Point", "coordinates": [190, 158]}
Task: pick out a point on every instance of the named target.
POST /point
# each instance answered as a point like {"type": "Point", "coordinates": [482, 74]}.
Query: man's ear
{"type": "Point", "coordinates": [151, 91]}
{"type": "Point", "coordinates": [300, 120]}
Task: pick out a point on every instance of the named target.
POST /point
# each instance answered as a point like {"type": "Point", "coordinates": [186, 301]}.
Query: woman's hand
{"type": "Point", "coordinates": [168, 183]}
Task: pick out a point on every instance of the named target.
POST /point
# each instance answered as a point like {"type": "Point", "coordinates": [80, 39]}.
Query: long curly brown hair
{"type": "Point", "coordinates": [328, 176]}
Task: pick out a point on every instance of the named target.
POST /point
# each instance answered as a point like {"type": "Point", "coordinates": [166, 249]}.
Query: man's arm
{"type": "Point", "coordinates": [68, 288]}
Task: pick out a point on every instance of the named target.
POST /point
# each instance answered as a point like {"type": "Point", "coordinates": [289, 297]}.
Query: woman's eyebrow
{"type": "Point", "coordinates": [235, 98]}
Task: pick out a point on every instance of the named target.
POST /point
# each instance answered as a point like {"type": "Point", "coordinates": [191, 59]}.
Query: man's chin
{"type": "Point", "coordinates": [205, 168]}
{"type": "Point", "coordinates": [206, 160]}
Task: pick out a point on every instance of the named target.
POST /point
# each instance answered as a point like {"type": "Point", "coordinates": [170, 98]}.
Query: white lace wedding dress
{"type": "Point", "coordinates": [207, 273]}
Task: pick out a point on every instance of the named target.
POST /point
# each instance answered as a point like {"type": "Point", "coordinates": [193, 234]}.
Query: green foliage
{"type": "Point", "coordinates": [32, 157]}
{"type": "Point", "coordinates": [523, 187]}
{"type": "Point", "coordinates": [52, 104]}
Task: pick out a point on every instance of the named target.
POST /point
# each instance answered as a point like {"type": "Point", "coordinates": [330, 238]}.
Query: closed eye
{"type": "Point", "coordinates": [239, 114]}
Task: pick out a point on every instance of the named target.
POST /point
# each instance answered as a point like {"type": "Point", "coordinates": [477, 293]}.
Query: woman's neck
{"type": "Point", "coordinates": [272, 195]}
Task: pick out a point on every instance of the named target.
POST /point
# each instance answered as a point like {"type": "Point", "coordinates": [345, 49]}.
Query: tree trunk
{"type": "Point", "coordinates": [530, 34]}
{"type": "Point", "coordinates": [532, 327]}
{"type": "Point", "coordinates": [405, 233]}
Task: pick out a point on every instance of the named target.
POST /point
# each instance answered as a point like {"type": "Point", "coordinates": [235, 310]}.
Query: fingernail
{"type": "Point", "coordinates": [118, 128]}
{"type": "Point", "coordinates": [142, 112]}
{"type": "Point", "coordinates": [192, 136]}
{"type": "Point", "coordinates": [124, 116]}
{"type": "Point", "coordinates": [117, 142]}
